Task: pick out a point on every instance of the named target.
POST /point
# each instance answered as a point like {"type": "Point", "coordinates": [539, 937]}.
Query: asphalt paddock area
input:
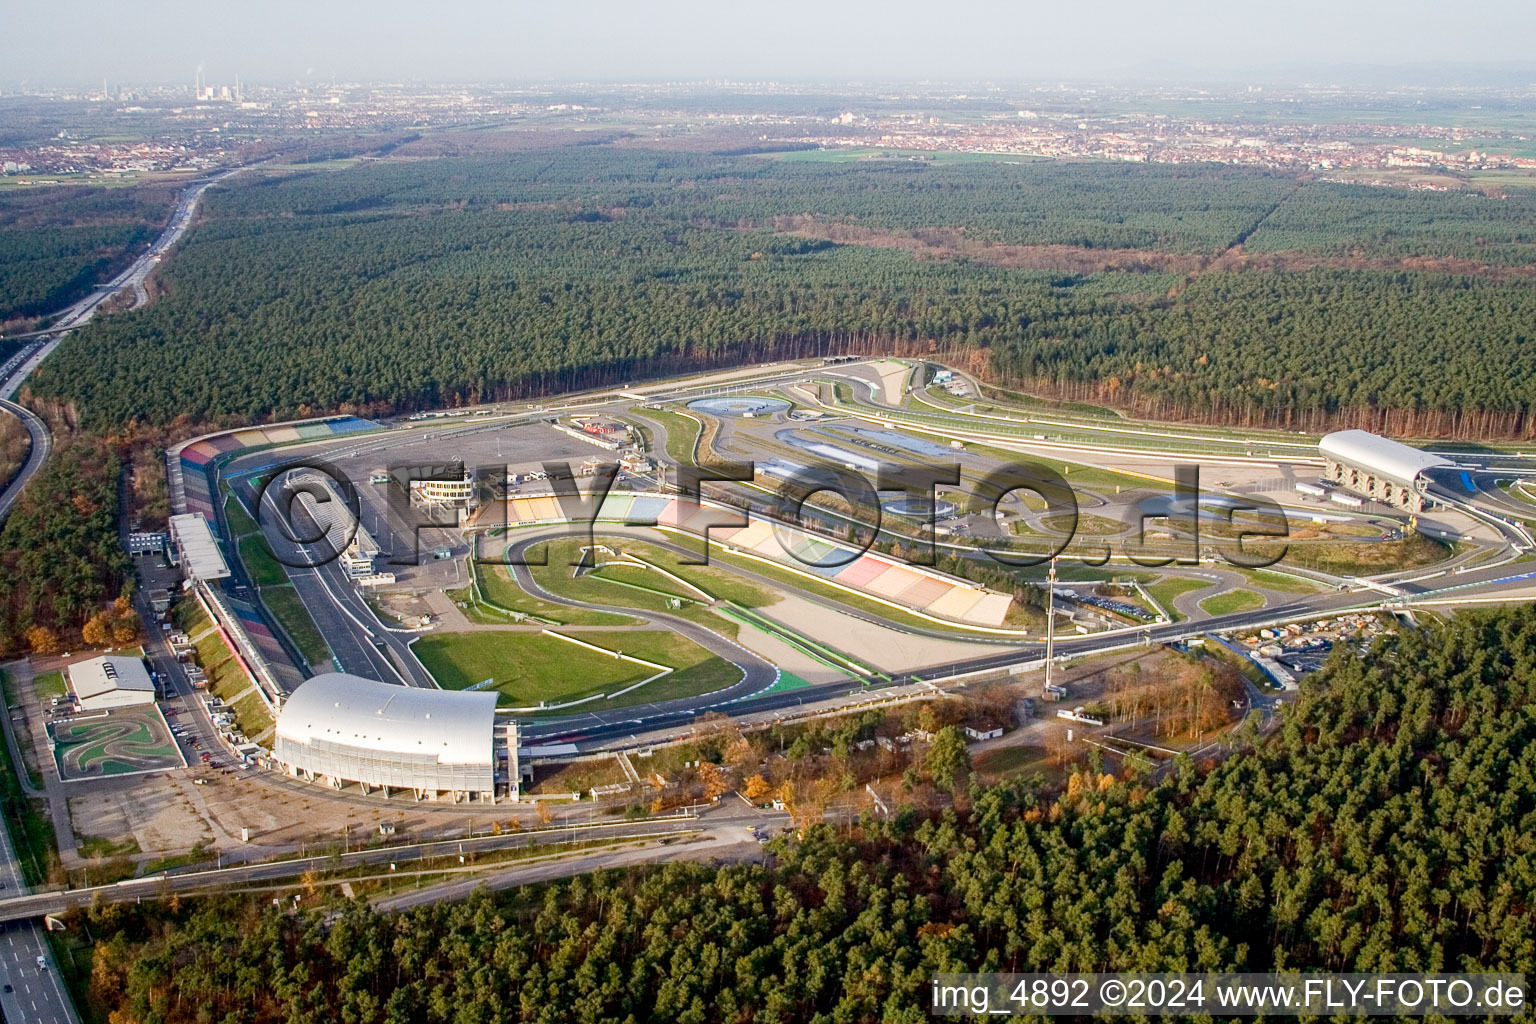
{"type": "Point", "coordinates": [126, 741]}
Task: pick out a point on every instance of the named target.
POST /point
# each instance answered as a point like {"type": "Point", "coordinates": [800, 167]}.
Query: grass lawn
{"type": "Point", "coordinates": [251, 715]}
{"type": "Point", "coordinates": [100, 847]}
{"type": "Point", "coordinates": [1086, 526]}
{"type": "Point", "coordinates": [718, 583]}
{"type": "Point", "coordinates": [189, 616]}
{"type": "Point", "coordinates": [1001, 761]}
{"type": "Point", "coordinates": [1168, 588]}
{"type": "Point", "coordinates": [682, 432]}
{"type": "Point", "coordinates": [496, 586]}
{"type": "Point", "coordinates": [1366, 558]}
{"type": "Point", "coordinates": [262, 566]}
{"type": "Point", "coordinates": [49, 684]}
{"type": "Point", "coordinates": [1076, 474]}
{"type": "Point", "coordinates": [1231, 602]}
{"type": "Point", "coordinates": [556, 579]}
{"type": "Point", "coordinates": [531, 667]}
{"type": "Point", "coordinates": [633, 577]}
{"type": "Point", "coordinates": [1279, 581]}
{"type": "Point", "coordinates": [285, 606]}
{"type": "Point", "coordinates": [239, 520]}
{"type": "Point", "coordinates": [227, 681]}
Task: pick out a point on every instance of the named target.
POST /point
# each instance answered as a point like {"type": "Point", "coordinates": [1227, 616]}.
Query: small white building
{"type": "Point", "coordinates": [102, 684]}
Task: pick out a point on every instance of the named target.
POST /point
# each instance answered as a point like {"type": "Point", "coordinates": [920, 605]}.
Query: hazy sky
{"type": "Point", "coordinates": [73, 42]}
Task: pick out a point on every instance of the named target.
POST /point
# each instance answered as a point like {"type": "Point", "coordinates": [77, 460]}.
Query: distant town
{"type": "Point", "coordinates": [118, 130]}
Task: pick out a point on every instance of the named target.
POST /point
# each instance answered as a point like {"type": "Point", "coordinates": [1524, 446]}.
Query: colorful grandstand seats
{"type": "Point", "coordinates": [195, 457]}
{"type": "Point", "coordinates": [915, 587]}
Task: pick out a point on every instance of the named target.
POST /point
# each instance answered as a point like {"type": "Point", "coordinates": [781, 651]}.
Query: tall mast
{"type": "Point", "coordinates": [1050, 623]}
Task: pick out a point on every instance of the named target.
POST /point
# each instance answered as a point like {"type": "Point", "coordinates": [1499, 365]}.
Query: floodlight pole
{"type": "Point", "coordinates": [1050, 623]}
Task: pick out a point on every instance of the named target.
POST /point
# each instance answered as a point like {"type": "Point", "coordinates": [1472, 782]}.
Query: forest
{"type": "Point", "coordinates": [15, 444]}
{"type": "Point", "coordinates": [61, 560]}
{"type": "Point", "coordinates": [1388, 825]}
{"type": "Point", "coordinates": [402, 285]}
{"type": "Point", "coordinates": [56, 244]}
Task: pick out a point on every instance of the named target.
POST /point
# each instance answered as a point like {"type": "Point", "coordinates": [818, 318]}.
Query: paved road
{"type": "Point", "coordinates": [406, 855]}
{"type": "Point", "coordinates": [19, 367]}
{"type": "Point", "coordinates": [35, 722]}
{"type": "Point", "coordinates": [359, 641]}
{"type": "Point", "coordinates": [42, 447]}
{"type": "Point", "coordinates": [37, 994]}
{"type": "Point", "coordinates": [591, 736]}
{"type": "Point", "coordinates": [363, 642]}
{"type": "Point", "coordinates": [756, 672]}
{"type": "Point", "coordinates": [717, 844]}
{"type": "Point", "coordinates": [616, 728]}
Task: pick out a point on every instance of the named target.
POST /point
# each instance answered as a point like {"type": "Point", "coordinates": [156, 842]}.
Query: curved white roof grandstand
{"type": "Point", "coordinates": [347, 728]}
{"type": "Point", "coordinates": [1380, 456]}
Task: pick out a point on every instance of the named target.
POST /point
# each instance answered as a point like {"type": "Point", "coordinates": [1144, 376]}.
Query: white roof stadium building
{"type": "Point", "coordinates": [343, 729]}
{"type": "Point", "coordinates": [1378, 467]}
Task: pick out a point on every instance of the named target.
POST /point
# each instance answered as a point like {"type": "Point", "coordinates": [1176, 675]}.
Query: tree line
{"type": "Point", "coordinates": [56, 244]}
{"type": "Point", "coordinates": [61, 560]}
{"type": "Point", "coordinates": [401, 286]}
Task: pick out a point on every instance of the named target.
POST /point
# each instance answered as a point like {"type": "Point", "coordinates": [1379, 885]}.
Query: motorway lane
{"type": "Point", "coordinates": [42, 447]}
{"type": "Point", "coordinates": [37, 994]}
{"type": "Point", "coordinates": [18, 368]}
{"type": "Point", "coordinates": [137, 273]}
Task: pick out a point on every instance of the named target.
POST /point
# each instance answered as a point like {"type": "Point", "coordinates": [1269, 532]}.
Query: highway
{"type": "Point", "coordinates": [20, 366]}
{"type": "Point", "coordinates": [28, 993]}
{"type": "Point", "coordinates": [41, 448]}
